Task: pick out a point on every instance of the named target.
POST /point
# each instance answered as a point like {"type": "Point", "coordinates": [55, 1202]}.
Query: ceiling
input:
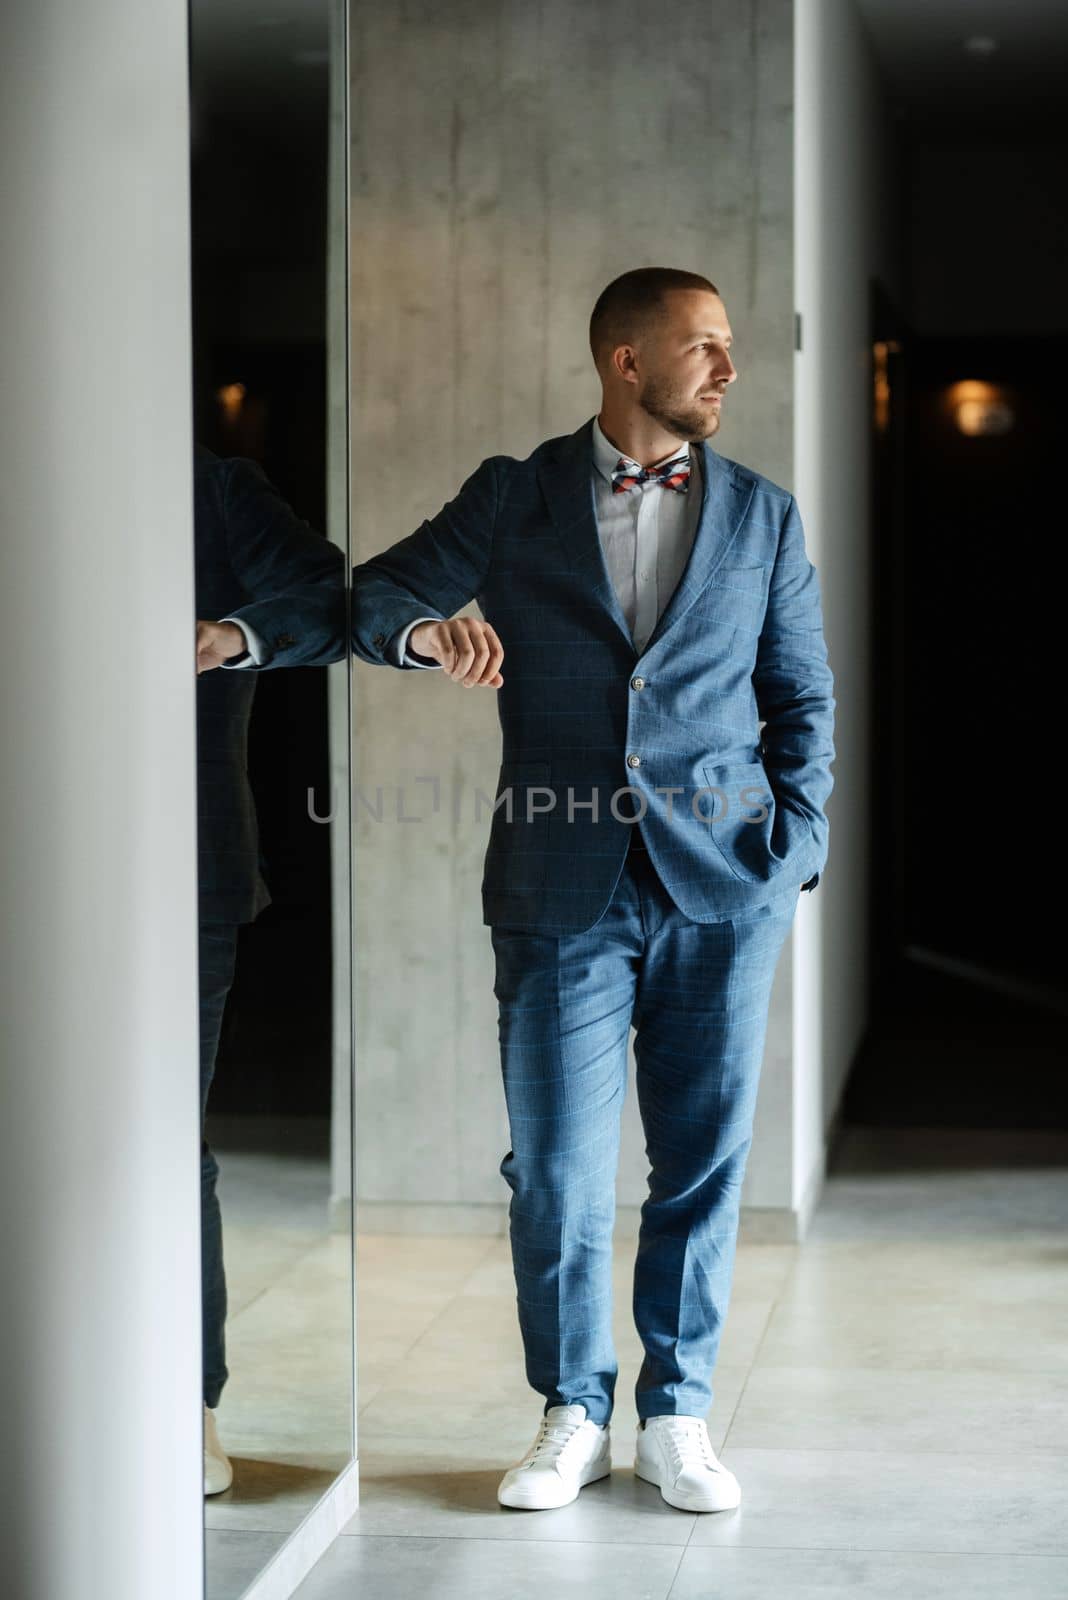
{"type": "Point", "coordinates": [919, 45]}
{"type": "Point", "coordinates": [262, 63]}
{"type": "Point", "coordinates": [268, 58]}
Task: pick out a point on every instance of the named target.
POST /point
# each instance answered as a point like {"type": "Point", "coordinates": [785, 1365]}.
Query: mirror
{"type": "Point", "coordinates": [269, 209]}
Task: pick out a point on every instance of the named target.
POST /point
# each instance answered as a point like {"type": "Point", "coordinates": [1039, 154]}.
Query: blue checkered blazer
{"type": "Point", "coordinates": [721, 729]}
{"type": "Point", "coordinates": [248, 541]}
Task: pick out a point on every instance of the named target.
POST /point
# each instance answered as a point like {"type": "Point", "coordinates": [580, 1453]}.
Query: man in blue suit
{"type": "Point", "coordinates": [653, 624]}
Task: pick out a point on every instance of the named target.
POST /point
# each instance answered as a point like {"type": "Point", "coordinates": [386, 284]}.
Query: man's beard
{"type": "Point", "coordinates": [686, 419]}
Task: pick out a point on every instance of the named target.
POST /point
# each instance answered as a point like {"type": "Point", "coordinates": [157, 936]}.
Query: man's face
{"type": "Point", "coordinates": [684, 365]}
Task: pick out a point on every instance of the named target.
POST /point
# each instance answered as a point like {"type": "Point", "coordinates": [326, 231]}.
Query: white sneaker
{"type": "Point", "coordinates": [676, 1454]}
{"type": "Point", "coordinates": [218, 1473]}
{"type": "Point", "coordinates": [568, 1452]}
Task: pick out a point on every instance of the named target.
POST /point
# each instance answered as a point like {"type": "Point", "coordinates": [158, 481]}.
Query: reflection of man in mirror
{"type": "Point", "coordinates": [250, 545]}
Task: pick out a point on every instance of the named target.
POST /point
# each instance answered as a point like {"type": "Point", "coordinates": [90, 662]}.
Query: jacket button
{"type": "Point", "coordinates": [634, 761]}
{"type": "Point", "coordinates": [380, 638]}
{"type": "Point", "coordinates": [637, 683]}
{"type": "Point", "coordinates": [283, 641]}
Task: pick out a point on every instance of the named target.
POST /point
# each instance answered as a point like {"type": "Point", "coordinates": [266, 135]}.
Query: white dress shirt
{"type": "Point", "coordinates": [254, 649]}
{"type": "Point", "coordinates": [646, 536]}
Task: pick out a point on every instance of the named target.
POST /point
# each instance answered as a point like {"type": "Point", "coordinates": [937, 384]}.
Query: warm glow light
{"type": "Point", "coordinates": [230, 397]}
{"type": "Point", "coordinates": [880, 350]}
{"type": "Point", "coordinates": [979, 408]}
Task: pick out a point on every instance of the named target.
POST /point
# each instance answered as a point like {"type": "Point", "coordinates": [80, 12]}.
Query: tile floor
{"type": "Point", "coordinates": [893, 1396]}
{"type": "Point", "coordinates": [285, 1417]}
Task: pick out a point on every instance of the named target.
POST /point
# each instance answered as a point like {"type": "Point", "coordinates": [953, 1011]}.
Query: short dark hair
{"type": "Point", "coordinates": [631, 302]}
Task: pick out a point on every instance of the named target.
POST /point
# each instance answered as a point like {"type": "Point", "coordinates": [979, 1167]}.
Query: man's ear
{"type": "Point", "coordinates": [624, 364]}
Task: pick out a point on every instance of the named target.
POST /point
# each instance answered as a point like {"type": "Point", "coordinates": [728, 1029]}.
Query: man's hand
{"type": "Point", "coordinates": [218, 642]}
{"type": "Point", "coordinates": [468, 649]}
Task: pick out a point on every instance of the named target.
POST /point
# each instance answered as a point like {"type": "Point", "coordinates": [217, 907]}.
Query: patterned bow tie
{"type": "Point", "coordinates": [673, 474]}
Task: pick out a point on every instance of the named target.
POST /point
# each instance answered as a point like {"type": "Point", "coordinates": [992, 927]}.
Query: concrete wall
{"type": "Point", "coordinates": [507, 161]}
{"type": "Point", "coordinates": [846, 232]}
{"type": "Point", "coordinates": [99, 1139]}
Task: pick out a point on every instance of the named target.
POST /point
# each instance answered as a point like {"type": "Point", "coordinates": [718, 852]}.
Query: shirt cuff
{"type": "Point", "coordinates": [402, 656]}
{"type": "Point", "coordinates": [255, 652]}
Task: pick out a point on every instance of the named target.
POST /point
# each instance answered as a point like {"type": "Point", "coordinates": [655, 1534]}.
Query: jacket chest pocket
{"type": "Point", "coordinates": [732, 606]}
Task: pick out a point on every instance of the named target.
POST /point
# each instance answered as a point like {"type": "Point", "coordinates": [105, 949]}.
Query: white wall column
{"type": "Point", "coordinates": [99, 1137]}
{"type": "Point", "coordinates": [844, 235]}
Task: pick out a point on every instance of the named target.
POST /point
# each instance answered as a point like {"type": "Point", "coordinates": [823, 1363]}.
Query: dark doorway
{"type": "Point", "coordinates": [969, 1012]}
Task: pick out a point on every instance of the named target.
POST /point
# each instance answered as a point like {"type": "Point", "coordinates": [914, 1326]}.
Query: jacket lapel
{"type": "Point", "coordinates": [566, 480]}
{"type": "Point", "coordinates": [724, 503]}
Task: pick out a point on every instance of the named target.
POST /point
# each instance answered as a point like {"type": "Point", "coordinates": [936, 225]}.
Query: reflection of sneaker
{"type": "Point", "coordinates": [676, 1454]}
{"type": "Point", "coordinates": [218, 1473]}
{"type": "Point", "coordinates": [568, 1451]}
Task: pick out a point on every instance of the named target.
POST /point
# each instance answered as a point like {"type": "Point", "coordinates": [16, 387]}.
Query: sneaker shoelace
{"type": "Point", "coordinates": [553, 1436]}
{"type": "Point", "coordinates": [688, 1444]}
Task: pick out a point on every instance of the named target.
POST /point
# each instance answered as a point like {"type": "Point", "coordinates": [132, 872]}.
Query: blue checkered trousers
{"type": "Point", "coordinates": [717, 738]}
